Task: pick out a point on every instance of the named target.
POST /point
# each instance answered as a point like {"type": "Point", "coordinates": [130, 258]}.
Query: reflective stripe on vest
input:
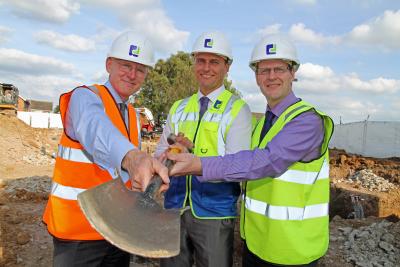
{"type": "Point", "coordinates": [211, 200]}
{"type": "Point", "coordinates": [285, 220]}
{"type": "Point", "coordinates": [82, 156]}
{"type": "Point", "coordinates": [305, 177]}
{"type": "Point", "coordinates": [222, 119]}
{"type": "Point", "coordinates": [286, 213]}
{"type": "Point", "coordinates": [75, 171]}
{"type": "Point", "coordinates": [65, 192]}
{"type": "Point", "coordinates": [73, 154]}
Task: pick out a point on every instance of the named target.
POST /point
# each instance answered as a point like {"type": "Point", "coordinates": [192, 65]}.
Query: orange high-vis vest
{"type": "Point", "coordinates": [75, 171]}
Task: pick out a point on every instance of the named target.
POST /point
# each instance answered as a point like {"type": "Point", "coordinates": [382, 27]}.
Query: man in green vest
{"type": "Point", "coordinates": [217, 123]}
{"type": "Point", "coordinates": [284, 214]}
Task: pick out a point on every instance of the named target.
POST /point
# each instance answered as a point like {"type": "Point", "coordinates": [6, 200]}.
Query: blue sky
{"type": "Point", "coordinates": [349, 50]}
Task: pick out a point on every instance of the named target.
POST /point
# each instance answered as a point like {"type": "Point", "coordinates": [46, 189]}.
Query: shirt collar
{"type": "Point", "coordinates": [213, 95]}
{"type": "Point", "coordinates": [289, 100]}
{"type": "Point", "coordinates": [114, 93]}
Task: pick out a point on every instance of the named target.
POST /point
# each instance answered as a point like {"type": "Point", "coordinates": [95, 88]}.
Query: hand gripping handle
{"type": "Point", "coordinates": [157, 181]}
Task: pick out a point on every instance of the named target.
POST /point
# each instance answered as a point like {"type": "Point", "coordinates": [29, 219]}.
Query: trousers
{"type": "Point", "coordinates": [205, 242]}
{"type": "Point", "coordinates": [88, 254]}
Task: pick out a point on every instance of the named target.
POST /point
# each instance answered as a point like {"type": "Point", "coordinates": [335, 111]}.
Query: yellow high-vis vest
{"type": "Point", "coordinates": [285, 220]}
{"type": "Point", "coordinates": [211, 200]}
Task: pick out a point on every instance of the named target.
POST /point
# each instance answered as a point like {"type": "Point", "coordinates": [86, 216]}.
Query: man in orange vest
{"type": "Point", "coordinates": [101, 139]}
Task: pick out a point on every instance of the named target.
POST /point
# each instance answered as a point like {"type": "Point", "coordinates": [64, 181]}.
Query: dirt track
{"type": "Point", "coordinates": [25, 175]}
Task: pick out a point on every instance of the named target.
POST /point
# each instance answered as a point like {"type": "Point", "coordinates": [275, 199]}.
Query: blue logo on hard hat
{"type": "Point", "coordinates": [208, 43]}
{"type": "Point", "coordinates": [271, 49]}
{"type": "Point", "coordinates": [134, 50]}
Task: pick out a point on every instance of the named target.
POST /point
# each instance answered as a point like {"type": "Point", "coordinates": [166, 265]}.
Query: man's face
{"type": "Point", "coordinates": [125, 76]}
{"type": "Point", "coordinates": [210, 71]}
{"type": "Point", "coordinates": [274, 77]}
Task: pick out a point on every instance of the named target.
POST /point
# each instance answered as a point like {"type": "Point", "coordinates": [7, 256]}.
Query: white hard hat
{"type": "Point", "coordinates": [213, 42]}
{"type": "Point", "coordinates": [134, 47]}
{"type": "Point", "coordinates": [274, 47]}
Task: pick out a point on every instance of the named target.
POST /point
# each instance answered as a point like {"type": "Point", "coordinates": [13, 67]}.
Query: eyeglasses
{"type": "Point", "coordinates": [277, 70]}
{"type": "Point", "coordinates": [127, 67]}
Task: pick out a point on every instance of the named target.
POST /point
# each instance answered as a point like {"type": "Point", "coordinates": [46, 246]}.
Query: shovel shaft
{"type": "Point", "coordinates": [156, 182]}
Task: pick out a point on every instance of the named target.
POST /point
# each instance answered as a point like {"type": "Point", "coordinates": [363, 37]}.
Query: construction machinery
{"type": "Point", "coordinates": [8, 98]}
{"type": "Point", "coordinates": [146, 122]}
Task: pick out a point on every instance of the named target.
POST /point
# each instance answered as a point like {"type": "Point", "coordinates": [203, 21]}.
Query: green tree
{"type": "Point", "coordinates": [228, 86]}
{"type": "Point", "coordinates": [56, 109]}
{"type": "Point", "coordinates": [170, 80]}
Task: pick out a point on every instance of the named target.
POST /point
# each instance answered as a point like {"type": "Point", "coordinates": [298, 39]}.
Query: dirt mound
{"type": "Point", "coordinates": [22, 148]}
{"type": "Point", "coordinates": [24, 240]}
{"type": "Point", "coordinates": [370, 183]}
{"type": "Point", "coordinates": [361, 187]}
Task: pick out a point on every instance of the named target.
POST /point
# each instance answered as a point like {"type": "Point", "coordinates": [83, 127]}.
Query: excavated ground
{"type": "Point", "coordinates": [360, 186]}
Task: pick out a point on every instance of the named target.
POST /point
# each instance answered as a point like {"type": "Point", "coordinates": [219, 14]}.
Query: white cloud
{"type": "Point", "coordinates": [256, 102]}
{"type": "Point", "coordinates": [348, 109]}
{"type": "Point", "coordinates": [299, 32]}
{"type": "Point", "coordinates": [100, 76]}
{"type": "Point", "coordinates": [270, 29]}
{"type": "Point", "coordinates": [44, 87]}
{"type": "Point", "coordinates": [71, 42]}
{"type": "Point", "coordinates": [161, 30]}
{"type": "Point", "coordinates": [396, 104]}
{"type": "Point", "coordinates": [5, 33]}
{"type": "Point", "coordinates": [338, 95]}
{"type": "Point", "coordinates": [149, 18]}
{"type": "Point", "coordinates": [16, 61]}
{"type": "Point", "coordinates": [311, 71]}
{"type": "Point", "coordinates": [57, 11]}
{"type": "Point", "coordinates": [377, 85]}
{"type": "Point", "coordinates": [251, 94]}
{"type": "Point", "coordinates": [316, 78]}
{"type": "Point", "coordinates": [382, 31]}
{"type": "Point", "coordinates": [305, 2]}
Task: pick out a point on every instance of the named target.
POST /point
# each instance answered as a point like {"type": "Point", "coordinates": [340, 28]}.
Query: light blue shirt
{"type": "Point", "coordinates": [87, 122]}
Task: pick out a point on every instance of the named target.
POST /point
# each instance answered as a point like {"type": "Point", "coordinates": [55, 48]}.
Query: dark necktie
{"type": "Point", "coordinates": [269, 117]}
{"type": "Point", "coordinates": [203, 108]}
{"type": "Point", "coordinates": [203, 105]}
{"type": "Point", "coordinates": [122, 108]}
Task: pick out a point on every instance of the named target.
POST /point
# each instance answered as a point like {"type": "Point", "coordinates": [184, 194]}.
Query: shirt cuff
{"type": "Point", "coordinates": [119, 150]}
{"type": "Point", "coordinates": [211, 169]}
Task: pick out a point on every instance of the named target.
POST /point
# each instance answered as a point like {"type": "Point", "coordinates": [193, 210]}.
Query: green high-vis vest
{"type": "Point", "coordinates": [285, 220]}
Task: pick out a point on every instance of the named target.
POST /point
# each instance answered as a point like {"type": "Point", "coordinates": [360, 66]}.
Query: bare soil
{"type": "Point", "coordinates": [26, 165]}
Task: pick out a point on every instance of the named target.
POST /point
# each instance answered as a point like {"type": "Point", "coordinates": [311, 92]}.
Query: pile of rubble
{"type": "Point", "coordinates": [31, 188]}
{"type": "Point", "coordinates": [38, 159]}
{"type": "Point", "coordinates": [367, 179]}
{"type": "Point", "coordinates": [373, 245]}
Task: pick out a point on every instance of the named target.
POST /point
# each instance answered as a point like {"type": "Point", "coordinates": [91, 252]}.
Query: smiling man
{"type": "Point", "coordinates": [284, 215]}
{"type": "Point", "coordinates": [217, 123]}
{"type": "Point", "coordinates": [101, 139]}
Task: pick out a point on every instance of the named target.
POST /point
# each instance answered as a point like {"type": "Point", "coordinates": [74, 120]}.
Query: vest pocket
{"type": "Point", "coordinates": [206, 140]}
{"type": "Point", "coordinates": [210, 126]}
{"type": "Point", "coordinates": [176, 192]}
{"type": "Point", "coordinates": [219, 194]}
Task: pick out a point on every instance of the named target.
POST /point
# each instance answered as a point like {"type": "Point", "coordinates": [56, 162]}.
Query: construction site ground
{"type": "Point", "coordinates": [360, 187]}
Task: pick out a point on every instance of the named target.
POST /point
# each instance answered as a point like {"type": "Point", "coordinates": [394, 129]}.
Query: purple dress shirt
{"type": "Point", "coordinates": [299, 140]}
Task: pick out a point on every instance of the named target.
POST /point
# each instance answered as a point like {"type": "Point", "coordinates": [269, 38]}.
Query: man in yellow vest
{"type": "Point", "coordinates": [101, 138]}
{"type": "Point", "coordinates": [284, 214]}
{"type": "Point", "coordinates": [218, 123]}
